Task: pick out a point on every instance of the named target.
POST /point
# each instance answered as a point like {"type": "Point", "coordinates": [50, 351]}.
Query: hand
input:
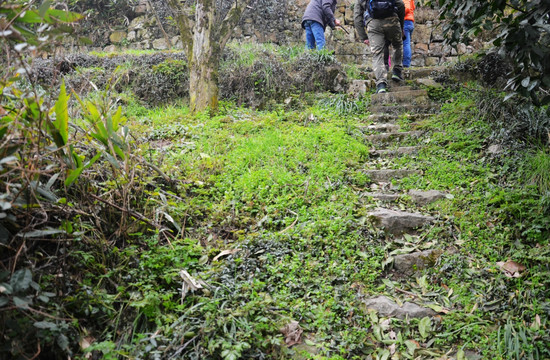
{"type": "Point", "coordinates": [367, 42]}
{"type": "Point", "coordinates": [337, 22]}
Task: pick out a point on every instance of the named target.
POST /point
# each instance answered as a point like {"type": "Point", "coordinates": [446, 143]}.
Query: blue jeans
{"type": "Point", "coordinates": [315, 35]}
{"type": "Point", "coordinates": [407, 53]}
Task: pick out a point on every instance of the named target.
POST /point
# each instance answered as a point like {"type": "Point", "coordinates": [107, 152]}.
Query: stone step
{"type": "Point", "coordinates": [391, 118]}
{"type": "Point", "coordinates": [401, 97]}
{"type": "Point", "coordinates": [386, 307]}
{"type": "Point", "coordinates": [386, 175]}
{"type": "Point", "coordinates": [422, 198]}
{"type": "Point", "coordinates": [419, 197]}
{"type": "Point", "coordinates": [382, 127]}
{"type": "Point", "coordinates": [387, 137]}
{"type": "Point", "coordinates": [423, 72]}
{"type": "Point", "coordinates": [398, 88]}
{"type": "Point", "coordinates": [413, 263]}
{"type": "Point", "coordinates": [399, 222]}
{"type": "Point", "coordinates": [396, 109]}
{"type": "Point", "coordinates": [385, 197]}
{"type": "Point", "coordinates": [404, 150]}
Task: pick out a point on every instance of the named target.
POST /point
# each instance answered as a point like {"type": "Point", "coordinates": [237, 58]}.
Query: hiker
{"type": "Point", "coordinates": [408, 28]}
{"type": "Point", "coordinates": [360, 17]}
{"type": "Point", "coordinates": [385, 23]}
{"type": "Point", "coordinates": [318, 14]}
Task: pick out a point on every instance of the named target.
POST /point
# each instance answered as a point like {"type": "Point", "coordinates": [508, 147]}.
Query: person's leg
{"type": "Point", "coordinates": [392, 31]}
{"type": "Point", "coordinates": [407, 53]}
{"type": "Point", "coordinates": [319, 34]}
{"type": "Point", "coordinates": [387, 61]}
{"type": "Point", "coordinates": [377, 44]}
{"type": "Point", "coordinates": [310, 39]}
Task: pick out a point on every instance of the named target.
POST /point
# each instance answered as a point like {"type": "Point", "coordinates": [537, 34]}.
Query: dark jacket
{"type": "Point", "coordinates": [321, 11]}
{"type": "Point", "coordinates": [359, 11]}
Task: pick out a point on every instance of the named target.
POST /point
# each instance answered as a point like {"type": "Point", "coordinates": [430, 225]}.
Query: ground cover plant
{"type": "Point", "coordinates": [134, 230]}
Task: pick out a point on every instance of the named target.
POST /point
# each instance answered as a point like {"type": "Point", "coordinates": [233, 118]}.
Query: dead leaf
{"type": "Point", "coordinates": [3, 111]}
{"type": "Point", "coordinates": [292, 333]}
{"type": "Point", "coordinates": [189, 284]}
{"type": "Point", "coordinates": [392, 349]}
{"type": "Point", "coordinates": [511, 268]}
{"type": "Point", "coordinates": [85, 343]}
{"type": "Point", "coordinates": [226, 252]}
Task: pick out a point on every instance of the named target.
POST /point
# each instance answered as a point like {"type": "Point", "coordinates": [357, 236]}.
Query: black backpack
{"type": "Point", "coordinates": [380, 9]}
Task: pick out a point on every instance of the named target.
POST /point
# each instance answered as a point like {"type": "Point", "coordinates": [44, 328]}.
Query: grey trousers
{"type": "Point", "coordinates": [380, 31]}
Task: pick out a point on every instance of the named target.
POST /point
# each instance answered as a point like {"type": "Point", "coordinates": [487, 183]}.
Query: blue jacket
{"type": "Point", "coordinates": [321, 11]}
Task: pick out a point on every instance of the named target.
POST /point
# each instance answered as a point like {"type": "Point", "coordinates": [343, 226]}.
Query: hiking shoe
{"type": "Point", "coordinates": [381, 88]}
{"type": "Point", "coordinates": [396, 76]}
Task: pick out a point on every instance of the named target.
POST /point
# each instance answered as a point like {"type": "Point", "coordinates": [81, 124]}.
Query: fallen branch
{"type": "Point", "coordinates": [134, 214]}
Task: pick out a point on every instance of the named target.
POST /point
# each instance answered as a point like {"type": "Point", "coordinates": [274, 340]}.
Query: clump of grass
{"type": "Point", "coordinates": [537, 171]}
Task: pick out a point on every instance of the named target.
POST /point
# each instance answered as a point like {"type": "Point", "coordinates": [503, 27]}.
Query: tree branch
{"type": "Point", "coordinates": [230, 21]}
{"type": "Point", "coordinates": [184, 25]}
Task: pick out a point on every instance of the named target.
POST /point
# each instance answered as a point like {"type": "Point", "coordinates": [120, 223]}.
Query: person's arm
{"type": "Point", "coordinates": [328, 14]}
{"type": "Point", "coordinates": [400, 5]}
{"type": "Point", "coordinates": [358, 12]}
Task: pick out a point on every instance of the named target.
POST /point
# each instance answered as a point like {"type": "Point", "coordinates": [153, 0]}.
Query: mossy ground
{"type": "Point", "coordinates": [284, 191]}
{"type": "Point", "coordinates": [268, 210]}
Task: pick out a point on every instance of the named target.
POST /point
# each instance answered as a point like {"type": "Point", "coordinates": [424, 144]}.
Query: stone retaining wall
{"type": "Point", "coordinates": [278, 21]}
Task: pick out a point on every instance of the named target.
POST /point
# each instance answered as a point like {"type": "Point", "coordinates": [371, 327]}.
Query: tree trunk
{"type": "Point", "coordinates": [204, 61]}
{"type": "Point", "coordinates": [203, 43]}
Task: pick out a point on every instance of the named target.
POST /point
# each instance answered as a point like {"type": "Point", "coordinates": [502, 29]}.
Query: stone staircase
{"type": "Point", "coordinates": [410, 105]}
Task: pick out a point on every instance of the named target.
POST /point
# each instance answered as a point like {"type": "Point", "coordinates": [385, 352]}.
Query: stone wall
{"type": "Point", "coordinates": [277, 21]}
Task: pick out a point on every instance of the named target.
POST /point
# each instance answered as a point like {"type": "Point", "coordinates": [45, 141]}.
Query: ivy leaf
{"type": "Point", "coordinates": [46, 325]}
{"type": "Point", "coordinates": [425, 326]}
{"type": "Point", "coordinates": [21, 302]}
{"type": "Point", "coordinates": [21, 280]}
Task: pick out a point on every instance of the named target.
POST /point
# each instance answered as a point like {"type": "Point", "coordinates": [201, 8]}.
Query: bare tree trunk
{"type": "Point", "coordinates": [204, 61]}
{"type": "Point", "coordinates": [203, 82]}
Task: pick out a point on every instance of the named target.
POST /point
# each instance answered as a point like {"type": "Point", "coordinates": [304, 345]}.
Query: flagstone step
{"type": "Point", "coordinates": [391, 118]}
{"type": "Point", "coordinates": [422, 198]}
{"type": "Point", "coordinates": [386, 307]}
{"type": "Point", "coordinates": [419, 197]}
{"type": "Point", "coordinates": [397, 88]}
{"type": "Point", "coordinates": [401, 97]}
{"type": "Point", "coordinates": [413, 263]}
{"type": "Point", "coordinates": [399, 222]}
{"type": "Point", "coordinates": [404, 150]}
{"type": "Point", "coordinates": [387, 137]}
{"type": "Point", "coordinates": [423, 72]}
{"type": "Point", "coordinates": [387, 127]}
{"type": "Point", "coordinates": [385, 197]}
{"type": "Point", "coordinates": [396, 109]}
{"type": "Point", "coordinates": [386, 175]}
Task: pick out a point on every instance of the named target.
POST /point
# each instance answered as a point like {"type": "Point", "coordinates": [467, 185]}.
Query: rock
{"type": "Point", "coordinates": [387, 175]}
{"type": "Point", "coordinates": [388, 308]}
{"type": "Point", "coordinates": [422, 34]}
{"type": "Point", "coordinates": [383, 196]}
{"type": "Point", "coordinates": [432, 61]}
{"type": "Point", "coordinates": [398, 222]}
{"type": "Point", "coordinates": [410, 264]}
{"type": "Point", "coordinates": [160, 44]}
{"type": "Point", "coordinates": [109, 49]}
{"type": "Point", "coordinates": [425, 197]}
{"type": "Point", "coordinates": [495, 149]}
{"type": "Point", "coordinates": [359, 87]}
{"type": "Point", "coordinates": [138, 23]}
{"type": "Point", "coordinates": [131, 36]}
{"type": "Point", "coordinates": [117, 36]}
{"type": "Point", "coordinates": [429, 82]}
